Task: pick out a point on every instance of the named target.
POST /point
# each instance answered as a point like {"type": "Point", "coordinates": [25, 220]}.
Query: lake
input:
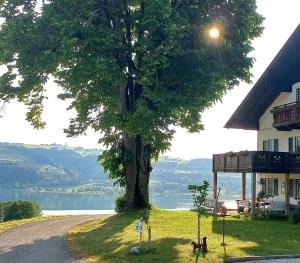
{"type": "Point", "coordinates": [63, 201]}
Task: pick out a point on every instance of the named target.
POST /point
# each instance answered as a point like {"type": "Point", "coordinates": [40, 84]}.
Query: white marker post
{"type": "Point", "coordinates": [139, 229]}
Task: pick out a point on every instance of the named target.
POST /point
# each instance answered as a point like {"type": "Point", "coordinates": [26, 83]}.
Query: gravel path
{"type": "Point", "coordinates": [40, 241]}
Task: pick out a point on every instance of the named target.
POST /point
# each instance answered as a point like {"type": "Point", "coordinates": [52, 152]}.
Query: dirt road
{"type": "Point", "coordinates": [40, 241]}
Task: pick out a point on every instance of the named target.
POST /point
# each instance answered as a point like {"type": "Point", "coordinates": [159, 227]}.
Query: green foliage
{"type": "Point", "coordinates": [262, 195]}
{"type": "Point", "coordinates": [295, 216]}
{"type": "Point", "coordinates": [112, 161]}
{"type": "Point", "coordinates": [156, 53]}
{"type": "Point", "coordinates": [3, 209]}
{"type": "Point", "coordinates": [199, 193]}
{"type": "Point", "coordinates": [120, 204]}
{"type": "Point", "coordinates": [146, 216]}
{"type": "Point", "coordinates": [21, 209]}
{"type": "Point", "coordinates": [263, 214]}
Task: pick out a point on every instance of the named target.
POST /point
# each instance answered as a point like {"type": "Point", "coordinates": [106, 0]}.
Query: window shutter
{"type": "Point", "coordinates": [276, 145]}
{"type": "Point", "coordinates": [269, 187]}
{"type": "Point", "coordinates": [276, 187]}
{"type": "Point", "coordinates": [264, 146]}
{"type": "Point", "coordinates": [291, 188]}
{"type": "Point", "coordinates": [291, 144]}
{"type": "Point", "coordinates": [297, 144]}
{"type": "Point", "coordinates": [297, 188]}
{"type": "Point", "coordinates": [264, 185]}
{"type": "Point", "coordinates": [297, 95]}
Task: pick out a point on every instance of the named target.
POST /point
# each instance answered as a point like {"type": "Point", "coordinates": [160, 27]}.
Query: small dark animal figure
{"type": "Point", "coordinates": [196, 247]}
{"type": "Point", "coordinates": [204, 245]}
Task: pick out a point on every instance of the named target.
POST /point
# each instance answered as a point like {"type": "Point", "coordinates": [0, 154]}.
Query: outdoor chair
{"type": "Point", "coordinates": [213, 205]}
{"type": "Point", "coordinates": [276, 206]}
{"type": "Point", "coordinates": [241, 205]}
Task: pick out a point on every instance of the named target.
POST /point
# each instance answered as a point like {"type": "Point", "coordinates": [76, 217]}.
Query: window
{"type": "Point", "coordinates": [271, 145]}
{"type": "Point", "coordinates": [294, 144]}
{"type": "Point", "coordinates": [294, 188]}
{"type": "Point", "coordinates": [298, 95]}
{"type": "Point", "coordinates": [272, 187]}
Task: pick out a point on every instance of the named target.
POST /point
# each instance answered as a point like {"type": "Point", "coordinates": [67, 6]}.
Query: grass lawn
{"type": "Point", "coordinates": [10, 224]}
{"type": "Point", "coordinates": [109, 240]}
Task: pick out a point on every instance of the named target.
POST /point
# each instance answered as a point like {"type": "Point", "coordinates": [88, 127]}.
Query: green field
{"type": "Point", "coordinates": [173, 231]}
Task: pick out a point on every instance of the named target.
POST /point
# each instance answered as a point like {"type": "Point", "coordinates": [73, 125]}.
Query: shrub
{"type": "Point", "coordinates": [262, 214]}
{"type": "Point", "coordinates": [3, 209]}
{"type": "Point", "coordinates": [120, 204]}
{"type": "Point", "coordinates": [296, 216]}
{"type": "Point", "coordinates": [21, 209]}
{"type": "Point", "coordinates": [276, 216]}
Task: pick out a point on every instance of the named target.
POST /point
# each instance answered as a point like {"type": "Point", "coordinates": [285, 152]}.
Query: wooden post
{"type": "Point", "coordinates": [149, 238]}
{"type": "Point", "coordinates": [223, 231]}
{"type": "Point", "coordinates": [253, 193]}
{"type": "Point", "coordinates": [243, 186]}
{"type": "Point", "coordinates": [287, 198]}
{"type": "Point", "coordinates": [215, 190]}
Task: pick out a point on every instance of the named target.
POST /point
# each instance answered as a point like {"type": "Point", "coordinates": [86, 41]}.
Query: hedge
{"type": "Point", "coordinates": [19, 209]}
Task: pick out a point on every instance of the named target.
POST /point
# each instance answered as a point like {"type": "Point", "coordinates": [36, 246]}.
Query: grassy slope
{"type": "Point", "coordinates": [10, 224]}
{"type": "Point", "coordinates": [172, 231]}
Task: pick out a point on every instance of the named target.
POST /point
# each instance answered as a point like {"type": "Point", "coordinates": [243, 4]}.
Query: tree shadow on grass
{"type": "Point", "coordinates": [259, 237]}
{"type": "Point", "coordinates": [111, 241]}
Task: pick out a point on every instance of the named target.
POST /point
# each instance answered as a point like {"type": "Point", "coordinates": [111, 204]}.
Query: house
{"type": "Point", "coordinates": [272, 108]}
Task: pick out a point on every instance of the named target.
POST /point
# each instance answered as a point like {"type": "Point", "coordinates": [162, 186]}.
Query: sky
{"type": "Point", "coordinates": [281, 18]}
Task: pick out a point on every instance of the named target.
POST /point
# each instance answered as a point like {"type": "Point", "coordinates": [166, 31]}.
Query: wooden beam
{"type": "Point", "coordinates": [243, 186]}
{"type": "Point", "coordinates": [287, 198]}
{"type": "Point", "coordinates": [215, 189]}
{"type": "Point", "coordinates": [253, 193]}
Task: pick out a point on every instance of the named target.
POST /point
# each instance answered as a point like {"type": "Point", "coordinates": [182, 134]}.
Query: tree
{"type": "Point", "coordinates": [134, 69]}
{"type": "Point", "coordinates": [199, 194]}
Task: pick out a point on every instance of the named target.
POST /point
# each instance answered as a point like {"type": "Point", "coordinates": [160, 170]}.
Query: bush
{"type": "Point", "coordinates": [296, 216]}
{"type": "Point", "coordinates": [3, 209]}
{"type": "Point", "coordinates": [21, 209]}
{"type": "Point", "coordinates": [120, 204]}
{"type": "Point", "coordinates": [261, 214]}
{"type": "Point", "coordinates": [276, 216]}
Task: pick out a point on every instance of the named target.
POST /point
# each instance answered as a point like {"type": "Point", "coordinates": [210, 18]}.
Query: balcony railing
{"type": "Point", "coordinates": [293, 162]}
{"type": "Point", "coordinates": [257, 161]}
{"type": "Point", "coordinates": [286, 117]}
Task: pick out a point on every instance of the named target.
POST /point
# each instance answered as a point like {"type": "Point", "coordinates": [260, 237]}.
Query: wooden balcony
{"type": "Point", "coordinates": [286, 117]}
{"type": "Point", "coordinates": [293, 162]}
{"type": "Point", "coordinates": [253, 161]}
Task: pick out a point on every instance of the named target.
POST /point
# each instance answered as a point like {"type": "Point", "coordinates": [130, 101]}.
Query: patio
{"type": "Point", "coordinates": [254, 162]}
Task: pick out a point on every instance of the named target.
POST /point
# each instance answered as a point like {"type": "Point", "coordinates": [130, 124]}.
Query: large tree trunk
{"type": "Point", "coordinates": [137, 169]}
{"type": "Point", "coordinates": [137, 172]}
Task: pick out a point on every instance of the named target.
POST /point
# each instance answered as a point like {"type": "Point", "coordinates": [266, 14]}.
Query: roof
{"type": "Point", "coordinates": [279, 77]}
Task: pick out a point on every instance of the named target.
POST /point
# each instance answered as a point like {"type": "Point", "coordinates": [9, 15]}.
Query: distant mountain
{"type": "Point", "coordinates": [56, 166]}
{"type": "Point", "coordinates": [48, 165]}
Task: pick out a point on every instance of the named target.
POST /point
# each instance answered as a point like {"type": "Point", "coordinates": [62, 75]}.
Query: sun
{"type": "Point", "coordinates": [214, 33]}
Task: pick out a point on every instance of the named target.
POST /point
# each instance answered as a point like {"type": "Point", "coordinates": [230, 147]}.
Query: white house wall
{"type": "Point", "coordinates": [266, 131]}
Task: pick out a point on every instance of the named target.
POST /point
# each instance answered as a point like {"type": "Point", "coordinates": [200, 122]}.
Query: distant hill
{"type": "Point", "coordinates": [56, 166]}
{"type": "Point", "coordinates": [46, 165]}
